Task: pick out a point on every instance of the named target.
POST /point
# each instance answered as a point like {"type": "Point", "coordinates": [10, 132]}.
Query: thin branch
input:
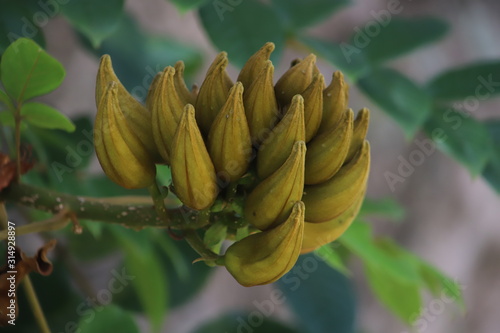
{"type": "Point", "coordinates": [132, 212]}
{"type": "Point", "coordinates": [35, 305]}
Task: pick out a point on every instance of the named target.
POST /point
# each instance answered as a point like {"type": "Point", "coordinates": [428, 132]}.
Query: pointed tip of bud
{"type": "Point", "coordinates": [363, 115]}
{"type": "Point", "coordinates": [267, 49]}
{"type": "Point", "coordinates": [297, 101]}
{"type": "Point", "coordinates": [169, 71]}
{"type": "Point", "coordinates": [237, 88]}
{"type": "Point", "coordinates": [299, 147]}
{"type": "Point", "coordinates": [299, 209]}
{"type": "Point", "coordinates": [179, 66]}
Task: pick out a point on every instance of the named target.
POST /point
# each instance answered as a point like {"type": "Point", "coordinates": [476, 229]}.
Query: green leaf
{"type": "Point", "coordinates": [321, 298]}
{"type": "Point", "coordinates": [96, 19]}
{"type": "Point", "coordinates": [187, 5]}
{"type": "Point", "coordinates": [332, 258]}
{"type": "Point", "coordinates": [150, 280]}
{"type": "Point", "coordinates": [16, 21]}
{"type": "Point", "coordinates": [359, 240]}
{"type": "Point", "coordinates": [44, 116]}
{"type": "Point", "coordinates": [399, 97]}
{"type": "Point", "coordinates": [7, 119]}
{"type": "Point", "coordinates": [109, 319]}
{"type": "Point", "coordinates": [138, 56]}
{"type": "Point", "coordinates": [353, 65]}
{"type": "Point", "coordinates": [401, 297]}
{"type": "Point", "coordinates": [462, 137]}
{"type": "Point", "coordinates": [242, 29]}
{"type": "Point", "coordinates": [28, 71]}
{"type": "Point", "coordinates": [492, 170]}
{"type": "Point", "coordinates": [476, 81]}
{"type": "Point", "coordinates": [215, 235]}
{"type": "Point", "coordinates": [387, 208]}
{"type": "Point", "coordinates": [302, 13]}
{"type": "Point", "coordinates": [5, 100]}
{"type": "Point", "coordinates": [243, 322]}
{"type": "Point", "coordinates": [389, 37]}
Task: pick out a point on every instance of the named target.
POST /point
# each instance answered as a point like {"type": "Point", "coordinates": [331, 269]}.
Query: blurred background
{"type": "Point", "coordinates": [451, 217]}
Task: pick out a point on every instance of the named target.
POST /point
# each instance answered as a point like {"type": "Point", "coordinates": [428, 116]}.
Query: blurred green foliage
{"type": "Point", "coordinates": [322, 298]}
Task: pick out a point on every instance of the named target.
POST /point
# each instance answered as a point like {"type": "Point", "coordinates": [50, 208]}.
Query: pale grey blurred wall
{"type": "Point", "coordinates": [452, 220]}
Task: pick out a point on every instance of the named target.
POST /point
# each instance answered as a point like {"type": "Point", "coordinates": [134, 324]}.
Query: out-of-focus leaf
{"type": "Point", "coordinates": [96, 19]}
{"type": "Point", "coordinates": [240, 322]}
{"type": "Point", "coordinates": [149, 278]}
{"type": "Point", "coordinates": [387, 208]}
{"type": "Point", "coordinates": [186, 5]}
{"type": "Point", "coordinates": [16, 21]}
{"type": "Point", "coordinates": [321, 298]}
{"type": "Point", "coordinates": [332, 258]}
{"type": "Point", "coordinates": [302, 13]}
{"type": "Point", "coordinates": [44, 116]}
{"type": "Point", "coordinates": [399, 97]}
{"type": "Point", "coordinates": [478, 81]}
{"type": "Point", "coordinates": [352, 64]}
{"type": "Point", "coordinates": [28, 71]}
{"type": "Point", "coordinates": [109, 319]}
{"type": "Point", "coordinates": [492, 170]}
{"type": "Point", "coordinates": [388, 37]}
{"type": "Point", "coordinates": [359, 240]}
{"type": "Point", "coordinates": [462, 137]}
{"type": "Point", "coordinates": [7, 119]}
{"type": "Point", "coordinates": [243, 28]}
{"type": "Point", "coordinates": [138, 56]}
{"type": "Point", "coordinates": [401, 297]}
{"type": "Point", "coordinates": [5, 102]}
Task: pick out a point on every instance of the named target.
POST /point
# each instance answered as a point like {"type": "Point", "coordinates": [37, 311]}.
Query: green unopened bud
{"type": "Point", "coordinates": [335, 99]}
{"type": "Point", "coordinates": [359, 132]}
{"type": "Point", "coordinates": [229, 141]}
{"type": "Point", "coordinates": [137, 115]}
{"type": "Point", "coordinates": [119, 149]}
{"type": "Point", "coordinates": [277, 147]}
{"type": "Point", "coordinates": [213, 92]}
{"type": "Point", "coordinates": [295, 80]}
{"type": "Point", "coordinates": [260, 103]}
{"type": "Point", "coordinates": [166, 110]}
{"type": "Point", "coordinates": [255, 64]}
{"type": "Point", "coordinates": [186, 96]}
{"type": "Point", "coordinates": [313, 106]}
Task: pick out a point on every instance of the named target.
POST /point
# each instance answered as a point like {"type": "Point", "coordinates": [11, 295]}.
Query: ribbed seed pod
{"type": "Point", "coordinates": [260, 103]}
{"type": "Point", "coordinates": [213, 93]}
{"type": "Point", "coordinates": [186, 96]}
{"type": "Point", "coordinates": [138, 117]}
{"type": "Point", "coordinates": [295, 80]}
{"type": "Point", "coordinates": [255, 64]}
{"type": "Point", "coordinates": [229, 140]}
{"type": "Point", "coordinates": [119, 150]}
{"type": "Point", "coordinates": [360, 130]}
{"type": "Point", "coordinates": [193, 173]}
{"type": "Point", "coordinates": [166, 110]}
{"type": "Point", "coordinates": [313, 106]}
{"type": "Point", "coordinates": [326, 152]}
{"type": "Point", "coordinates": [276, 148]}
{"type": "Point", "coordinates": [328, 200]}
{"type": "Point", "coordinates": [266, 256]}
{"type": "Point", "coordinates": [335, 99]}
{"type": "Point", "coordinates": [271, 201]}
{"type": "Point", "coordinates": [319, 234]}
